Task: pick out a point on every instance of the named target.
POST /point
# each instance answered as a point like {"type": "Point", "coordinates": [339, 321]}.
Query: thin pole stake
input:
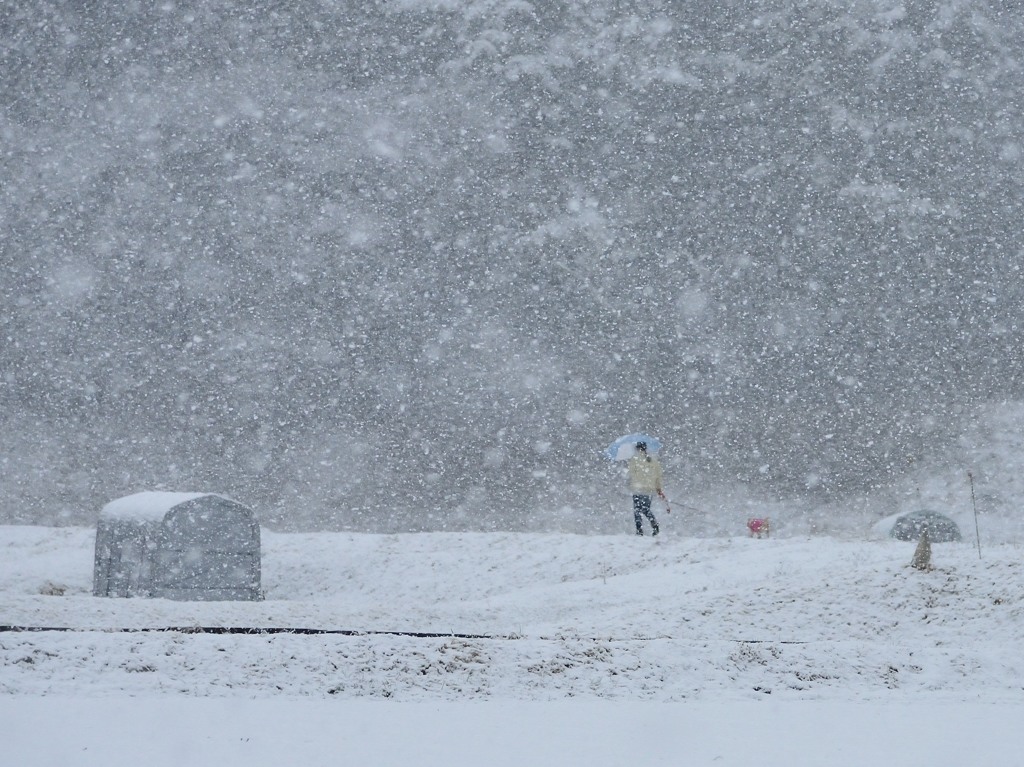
{"type": "Point", "coordinates": [974, 503]}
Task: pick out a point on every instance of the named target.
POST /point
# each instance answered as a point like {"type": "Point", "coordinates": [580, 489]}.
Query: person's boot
{"type": "Point", "coordinates": [654, 529]}
{"type": "Point", "coordinates": [639, 531]}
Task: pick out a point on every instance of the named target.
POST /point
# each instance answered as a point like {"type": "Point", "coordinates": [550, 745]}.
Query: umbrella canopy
{"type": "Point", "coordinates": [941, 529]}
{"type": "Point", "coordinates": [624, 447]}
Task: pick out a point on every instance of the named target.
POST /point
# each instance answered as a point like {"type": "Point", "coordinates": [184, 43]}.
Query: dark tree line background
{"type": "Point", "coordinates": [411, 265]}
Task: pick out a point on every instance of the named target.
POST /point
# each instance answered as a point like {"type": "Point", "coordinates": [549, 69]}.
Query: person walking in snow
{"type": "Point", "coordinates": [644, 481]}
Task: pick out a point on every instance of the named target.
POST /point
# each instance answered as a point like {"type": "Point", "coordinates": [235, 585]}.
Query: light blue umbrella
{"type": "Point", "coordinates": [624, 447]}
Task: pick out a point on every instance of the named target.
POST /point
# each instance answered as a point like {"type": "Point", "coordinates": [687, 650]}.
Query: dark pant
{"type": "Point", "coordinates": [642, 508]}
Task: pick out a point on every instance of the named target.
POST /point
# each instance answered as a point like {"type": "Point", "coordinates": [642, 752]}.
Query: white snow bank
{"type": "Point", "coordinates": [614, 617]}
{"type": "Point", "coordinates": [605, 651]}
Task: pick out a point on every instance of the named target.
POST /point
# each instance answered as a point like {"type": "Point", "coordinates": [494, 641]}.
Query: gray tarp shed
{"type": "Point", "coordinates": [187, 546]}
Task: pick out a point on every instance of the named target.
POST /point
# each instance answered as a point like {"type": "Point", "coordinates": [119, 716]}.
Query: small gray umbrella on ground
{"type": "Point", "coordinates": [941, 529]}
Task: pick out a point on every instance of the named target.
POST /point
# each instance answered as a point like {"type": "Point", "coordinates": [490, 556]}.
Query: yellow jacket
{"type": "Point", "coordinates": [644, 475]}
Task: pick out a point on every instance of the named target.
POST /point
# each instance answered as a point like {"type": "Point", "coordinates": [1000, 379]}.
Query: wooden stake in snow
{"type": "Point", "coordinates": [923, 553]}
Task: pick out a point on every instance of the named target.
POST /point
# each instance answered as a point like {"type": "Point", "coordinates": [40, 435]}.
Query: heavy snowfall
{"type": "Point", "coordinates": [409, 266]}
{"type": "Point", "coordinates": [394, 275]}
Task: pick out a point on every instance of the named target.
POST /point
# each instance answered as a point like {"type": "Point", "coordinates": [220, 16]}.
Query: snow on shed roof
{"type": "Point", "coordinates": [151, 505]}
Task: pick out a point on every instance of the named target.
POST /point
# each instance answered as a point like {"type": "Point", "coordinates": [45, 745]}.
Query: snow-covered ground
{"type": "Point", "coordinates": [551, 649]}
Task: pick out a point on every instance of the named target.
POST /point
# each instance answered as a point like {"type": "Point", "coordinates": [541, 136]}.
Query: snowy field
{"type": "Point", "coordinates": [498, 649]}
